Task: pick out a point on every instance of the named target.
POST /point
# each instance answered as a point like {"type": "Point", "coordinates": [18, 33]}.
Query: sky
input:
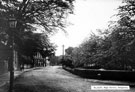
{"type": "Point", "coordinates": [88, 16]}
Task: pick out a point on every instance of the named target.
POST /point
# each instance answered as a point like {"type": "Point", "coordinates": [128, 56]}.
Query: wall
{"type": "Point", "coordinates": [103, 74]}
{"type": "Point", "coordinates": [3, 66]}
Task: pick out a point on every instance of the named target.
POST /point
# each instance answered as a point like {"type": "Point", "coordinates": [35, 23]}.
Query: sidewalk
{"type": "Point", "coordinates": [4, 78]}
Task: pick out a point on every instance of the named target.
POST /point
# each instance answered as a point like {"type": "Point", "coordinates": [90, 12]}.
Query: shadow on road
{"type": "Point", "coordinates": [35, 88]}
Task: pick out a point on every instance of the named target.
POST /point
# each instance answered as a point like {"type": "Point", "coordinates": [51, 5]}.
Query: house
{"type": "Point", "coordinates": [39, 60]}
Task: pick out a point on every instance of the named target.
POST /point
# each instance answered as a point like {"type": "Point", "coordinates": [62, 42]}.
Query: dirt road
{"type": "Point", "coordinates": [55, 79]}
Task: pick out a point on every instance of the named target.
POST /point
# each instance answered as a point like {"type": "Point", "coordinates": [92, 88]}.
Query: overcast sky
{"type": "Point", "coordinates": [89, 15]}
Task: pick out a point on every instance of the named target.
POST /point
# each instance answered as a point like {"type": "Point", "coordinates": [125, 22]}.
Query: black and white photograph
{"type": "Point", "coordinates": [67, 45]}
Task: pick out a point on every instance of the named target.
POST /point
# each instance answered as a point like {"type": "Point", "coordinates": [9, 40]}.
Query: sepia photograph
{"type": "Point", "coordinates": [67, 45]}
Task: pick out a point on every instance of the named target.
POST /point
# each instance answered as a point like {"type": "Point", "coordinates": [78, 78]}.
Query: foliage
{"type": "Point", "coordinates": [48, 14]}
{"type": "Point", "coordinates": [69, 50]}
{"type": "Point", "coordinates": [114, 48]}
{"type": "Point", "coordinates": [45, 15]}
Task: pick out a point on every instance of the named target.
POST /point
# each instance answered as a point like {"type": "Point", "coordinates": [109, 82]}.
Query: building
{"type": "Point", "coordinates": [4, 56]}
{"type": "Point", "coordinates": [39, 60]}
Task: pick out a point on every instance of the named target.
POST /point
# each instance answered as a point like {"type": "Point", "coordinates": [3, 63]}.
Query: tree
{"type": "Point", "coordinates": [123, 35]}
{"type": "Point", "coordinates": [126, 14]}
{"type": "Point", "coordinates": [69, 50]}
{"type": "Point", "coordinates": [31, 15]}
{"type": "Point", "coordinates": [49, 14]}
{"type": "Point", "coordinates": [115, 47]}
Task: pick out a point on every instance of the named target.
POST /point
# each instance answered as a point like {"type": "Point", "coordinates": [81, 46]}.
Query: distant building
{"type": "Point", "coordinates": [39, 60]}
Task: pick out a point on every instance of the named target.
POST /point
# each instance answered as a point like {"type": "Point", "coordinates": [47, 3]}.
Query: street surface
{"type": "Point", "coordinates": [55, 79]}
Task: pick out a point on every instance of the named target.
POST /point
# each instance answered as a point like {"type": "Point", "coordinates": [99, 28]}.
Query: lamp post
{"type": "Point", "coordinates": [12, 26]}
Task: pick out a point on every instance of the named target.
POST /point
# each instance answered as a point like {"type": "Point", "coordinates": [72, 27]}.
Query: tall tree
{"type": "Point", "coordinates": [32, 14]}
{"type": "Point", "coordinates": [44, 15]}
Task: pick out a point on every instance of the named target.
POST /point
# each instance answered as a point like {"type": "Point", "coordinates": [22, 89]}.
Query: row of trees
{"type": "Point", "coordinates": [46, 16]}
{"type": "Point", "coordinates": [114, 48]}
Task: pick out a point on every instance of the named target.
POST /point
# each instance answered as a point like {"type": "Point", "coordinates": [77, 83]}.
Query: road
{"type": "Point", "coordinates": [55, 79]}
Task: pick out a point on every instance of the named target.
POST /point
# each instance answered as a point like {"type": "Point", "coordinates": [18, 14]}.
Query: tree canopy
{"type": "Point", "coordinates": [114, 48]}
{"type": "Point", "coordinates": [46, 16]}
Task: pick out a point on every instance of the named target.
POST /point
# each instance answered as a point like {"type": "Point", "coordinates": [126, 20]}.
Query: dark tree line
{"type": "Point", "coordinates": [114, 48]}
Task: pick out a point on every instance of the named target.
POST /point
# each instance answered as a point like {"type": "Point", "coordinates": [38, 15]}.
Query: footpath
{"type": "Point", "coordinates": [4, 78]}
